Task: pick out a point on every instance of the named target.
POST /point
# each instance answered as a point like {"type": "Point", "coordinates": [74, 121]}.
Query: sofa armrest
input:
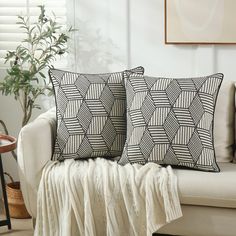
{"type": "Point", "coordinates": [35, 145]}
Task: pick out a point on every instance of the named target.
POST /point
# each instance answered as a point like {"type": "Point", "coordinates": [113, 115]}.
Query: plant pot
{"type": "Point", "coordinates": [16, 203]}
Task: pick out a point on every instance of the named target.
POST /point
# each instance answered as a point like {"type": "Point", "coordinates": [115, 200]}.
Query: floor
{"type": "Point", "coordinates": [19, 227]}
{"type": "Point", "coordinates": [23, 227]}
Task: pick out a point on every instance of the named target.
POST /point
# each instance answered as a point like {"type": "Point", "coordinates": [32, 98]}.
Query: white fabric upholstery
{"type": "Point", "coordinates": [203, 221]}
{"type": "Point", "coordinates": [35, 144]}
{"type": "Point", "coordinates": [234, 160]}
{"type": "Point", "coordinates": [35, 149]}
{"type": "Point", "coordinates": [207, 188]}
{"type": "Point", "coordinates": [224, 122]}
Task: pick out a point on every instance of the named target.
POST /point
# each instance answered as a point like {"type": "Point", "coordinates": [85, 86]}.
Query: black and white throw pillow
{"type": "Point", "coordinates": [170, 121]}
{"type": "Point", "coordinates": [90, 114]}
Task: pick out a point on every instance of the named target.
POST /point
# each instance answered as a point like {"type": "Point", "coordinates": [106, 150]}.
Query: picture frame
{"type": "Point", "coordinates": [200, 22]}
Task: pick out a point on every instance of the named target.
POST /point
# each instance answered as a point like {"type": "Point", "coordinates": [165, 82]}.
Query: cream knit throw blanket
{"type": "Point", "coordinates": [99, 197]}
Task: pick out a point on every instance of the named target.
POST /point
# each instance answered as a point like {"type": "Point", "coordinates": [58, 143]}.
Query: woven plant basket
{"type": "Point", "coordinates": [16, 203]}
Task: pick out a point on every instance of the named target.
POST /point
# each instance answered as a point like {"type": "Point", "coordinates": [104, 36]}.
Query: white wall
{"type": "Point", "coordinates": [11, 114]}
{"type": "Point", "coordinates": [127, 33]}
{"type": "Point", "coordinates": [114, 35]}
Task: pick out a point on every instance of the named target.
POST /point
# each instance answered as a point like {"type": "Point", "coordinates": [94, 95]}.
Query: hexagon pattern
{"type": "Point", "coordinates": [90, 114]}
{"type": "Point", "coordinates": [170, 121]}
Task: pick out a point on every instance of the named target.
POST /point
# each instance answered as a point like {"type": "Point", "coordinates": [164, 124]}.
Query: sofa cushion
{"type": "Point", "coordinates": [90, 114]}
{"type": "Point", "coordinates": [224, 122]}
{"type": "Point", "coordinates": [170, 121]}
{"type": "Point", "coordinates": [234, 159]}
{"type": "Point", "coordinates": [207, 188]}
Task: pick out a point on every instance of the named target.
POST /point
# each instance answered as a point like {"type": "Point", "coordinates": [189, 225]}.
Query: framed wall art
{"type": "Point", "coordinates": [200, 21]}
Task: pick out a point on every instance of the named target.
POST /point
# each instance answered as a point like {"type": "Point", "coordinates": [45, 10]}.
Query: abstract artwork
{"type": "Point", "coordinates": [200, 22]}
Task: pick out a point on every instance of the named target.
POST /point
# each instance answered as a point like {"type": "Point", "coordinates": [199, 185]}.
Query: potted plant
{"type": "Point", "coordinates": [26, 76]}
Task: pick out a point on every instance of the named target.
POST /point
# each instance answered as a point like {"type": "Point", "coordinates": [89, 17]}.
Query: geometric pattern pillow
{"type": "Point", "coordinates": [90, 114]}
{"type": "Point", "coordinates": [170, 121]}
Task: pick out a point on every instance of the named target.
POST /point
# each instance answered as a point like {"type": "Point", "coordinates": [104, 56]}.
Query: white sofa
{"type": "Point", "coordinates": [208, 199]}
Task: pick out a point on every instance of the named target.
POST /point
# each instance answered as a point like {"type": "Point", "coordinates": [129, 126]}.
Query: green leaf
{"type": "Point", "coordinates": [42, 75]}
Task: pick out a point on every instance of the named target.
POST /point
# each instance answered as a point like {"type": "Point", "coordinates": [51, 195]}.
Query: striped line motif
{"type": "Point", "coordinates": [182, 152]}
{"type": "Point", "coordinates": [158, 134]}
{"type": "Point", "coordinates": [117, 91]}
{"type": "Point", "coordinates": [94, 92]}
{"type": "Point", "coordinates": [119, 141]}
{"type": "Point", "coordinates": [72, 108]}
{"type": "Point", "coordinates": [96, 107]}
{"type": "Point", "coordinates": [161, 85]}
{"type": "Point", "coordinates": [136, 136]}
{"type": "Point", "coordinates": [158, 152]}
{"type": "Point", "coordinates": [82, 84]}
{"type": "Point", "coordinates": [183, 135]}
{"type": "Point", "coordinates": [205, 137]}
{"type": "Point", "coordinates": [135, 155]}
{"type": "Point", "coordinates": [90, 114]}
{"type": "Point", "coordinates": [119, 125]}
{"type": "Point", "coordinates": [146, 149]}
{"type": "Point", "coordinates": [138, 100]}
{"type": "Point", "coordinates": [72, 143]}
{"type": "Point", "coordinates": [139, 85]}
{"type": "Point", "coordinates": [186, 85]}
{"type": "Point", "coordinates": [205, 158]}
{"type": "Point", "coordinates": [205, 123]}
{"type": "Point", "coordinates": [116, 78]}
{"type": "Point", "coordinates": [196, 110]}
{"type": "Point", "coordinates": [173, 91]}
{"type": "Point", "coordinates": [183, 116]}
{"type": "Point", "coordinates": [96, 125]}
{"type": "Point", "coordinates": [207, 102]}
{"type": "Point", "coordinates": [160, 98]}
{"type": "Point", "coordinates": [194, 142]}
{"type": "Point", "coordinates": [69, 79]}
{"type": "Point", "coordinates": [171, 125]}
{"type": "Point", "coordinates": [118, 107]}
{"type": "Point", "coordinates": [159, 116]}
{"type": "Point", "coordinates": [185, 99]}
{"type": "Point", "coordinates": [73, 127]}
{"type": "Point", "coordinates": [148, 107]}
{"type": "Point", "coordinates": [137, 118]}
{"type": "Point", "coordinates": [170, 121]}
{"type": "Point", "coordinates": [71, 92]}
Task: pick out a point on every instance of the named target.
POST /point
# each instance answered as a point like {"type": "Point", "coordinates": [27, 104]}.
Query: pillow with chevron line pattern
{"type": "Point", "coordinates": [170, 121]}
{"type": "Point", "coordinates": [90, 114]}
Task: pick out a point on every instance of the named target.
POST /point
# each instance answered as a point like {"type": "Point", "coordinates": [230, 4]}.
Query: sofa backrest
{"type": "Point", "coordinates": [224, 122]}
